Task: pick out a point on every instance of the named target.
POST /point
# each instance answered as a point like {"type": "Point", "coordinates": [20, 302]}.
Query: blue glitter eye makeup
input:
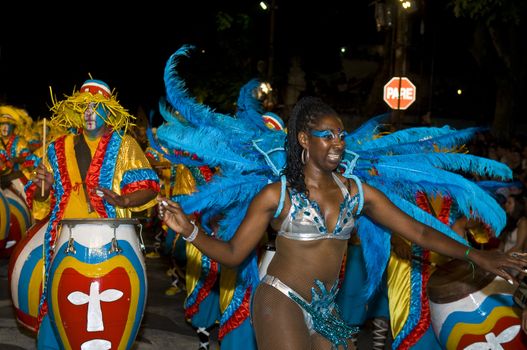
{"type": "Point", "coordinates": [328, 134]}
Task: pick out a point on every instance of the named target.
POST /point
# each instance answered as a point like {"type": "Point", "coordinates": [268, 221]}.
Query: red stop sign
{"type": "Point", "coordinates": [399, 93]}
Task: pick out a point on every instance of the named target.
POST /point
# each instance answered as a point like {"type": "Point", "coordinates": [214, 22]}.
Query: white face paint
{"type": "Point", "coordinates": [5, 129]}
{"type": "Point", "coordinates": [92, 119]}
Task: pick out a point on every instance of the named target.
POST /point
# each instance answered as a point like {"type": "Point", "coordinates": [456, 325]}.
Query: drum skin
{"type": "Point", "coordinates": [474, 310]}
{"type": "Point", "coordinates": [97, 295]}
{"type": "Point", "coordinates": [25, 275]}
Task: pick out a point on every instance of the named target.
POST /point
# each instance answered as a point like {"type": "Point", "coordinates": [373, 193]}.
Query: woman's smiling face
{"type": "Point", "coordinates": [326, 142]}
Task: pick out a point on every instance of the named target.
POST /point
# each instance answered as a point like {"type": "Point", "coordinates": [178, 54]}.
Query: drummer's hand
{"type": "Point", "coordinates": [499, 262]}
{"type": "Point", "coordinates": [42, 175]}
{"type": "Point", "coordinates": [19, 160]}
{"type": "Point", "coordinates": [174, 217]}
{"type": "Point", "coordinates": [112, 197]}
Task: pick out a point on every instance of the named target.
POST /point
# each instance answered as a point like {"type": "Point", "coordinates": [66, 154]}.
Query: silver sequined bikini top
{"type": "Point", "coordinates": [304, 221]}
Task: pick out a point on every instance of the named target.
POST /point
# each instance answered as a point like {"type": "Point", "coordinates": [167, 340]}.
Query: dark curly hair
{"type": "Point", "coordinates": [305, 114]}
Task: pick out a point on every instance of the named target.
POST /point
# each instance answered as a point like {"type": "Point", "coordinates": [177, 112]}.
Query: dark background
{"type": "Point", "coordinates": [45, 46]}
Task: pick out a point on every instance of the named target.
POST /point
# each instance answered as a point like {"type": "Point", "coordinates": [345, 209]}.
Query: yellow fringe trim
{"type": "Point", "coordinates": [69, 113]}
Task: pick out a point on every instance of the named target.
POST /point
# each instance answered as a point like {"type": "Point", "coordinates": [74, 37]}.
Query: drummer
{"type": "Point", "coordinates": [16, 160]}
{"type": "Point", "coordinates": [96, 171]}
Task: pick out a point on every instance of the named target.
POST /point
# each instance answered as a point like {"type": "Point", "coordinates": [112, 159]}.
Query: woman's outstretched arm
{"type": "Point", "coordinates": [247, 237]}
{"type": "Point", "coordinates": [379, 208]}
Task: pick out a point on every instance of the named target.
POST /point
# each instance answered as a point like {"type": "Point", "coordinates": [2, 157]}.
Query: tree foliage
{"type": "Point", "coordinates": [505, 11]}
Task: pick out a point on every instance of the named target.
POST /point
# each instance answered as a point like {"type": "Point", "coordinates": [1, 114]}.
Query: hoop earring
{"type": "Point", "coordinates": [303, 156]}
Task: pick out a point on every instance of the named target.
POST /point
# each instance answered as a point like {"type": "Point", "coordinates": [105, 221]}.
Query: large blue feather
{"type": "Point", "coordinates": [210, 145]}
{"type": "Point", "coordinates": [367, 131]}
{"type": "Point", "coordinates": [417, 140]}
{"type": "Point", "coordinates": [375, 244]}
{"type": "Point", "coordinates": [492, 186]}
{"type": "Point", "coordinates": [222, 192]}
{"type": "Point", "coordinates": [249, 108]}
{"type": "Point", "coordinates": [406, 179]}
{"type": "Point", "coordinates": [457, 162]}
{"type": "Point", "coordinates": [197, 113]}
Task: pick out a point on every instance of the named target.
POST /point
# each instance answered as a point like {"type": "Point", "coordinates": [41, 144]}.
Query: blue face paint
{"type": "Point", "coordinates": [329, 134]}
{"type": "Point", "coordinates": [94, 118]}
{"type": "Point", "coordinates": [101, 115]}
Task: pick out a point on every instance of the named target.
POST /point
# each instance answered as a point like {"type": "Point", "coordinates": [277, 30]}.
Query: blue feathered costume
{"type": "Point", "coordinates": [250, 156]}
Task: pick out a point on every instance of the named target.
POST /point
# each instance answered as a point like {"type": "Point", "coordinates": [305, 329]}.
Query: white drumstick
{"type": "Point", "coordinates": [44, 131]}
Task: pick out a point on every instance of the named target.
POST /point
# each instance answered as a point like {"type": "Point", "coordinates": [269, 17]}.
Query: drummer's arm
{"type": "Point", "coordinates": [129, 200]}
{"type": "Point", "coordinates": [521, 236]}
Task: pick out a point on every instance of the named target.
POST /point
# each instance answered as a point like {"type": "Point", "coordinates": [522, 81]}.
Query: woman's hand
{"type": "Point", "coordinates": [174, 217]}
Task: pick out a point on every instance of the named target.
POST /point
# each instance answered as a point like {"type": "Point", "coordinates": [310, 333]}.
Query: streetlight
{"type": "Point", "coordinates": [270, 60]}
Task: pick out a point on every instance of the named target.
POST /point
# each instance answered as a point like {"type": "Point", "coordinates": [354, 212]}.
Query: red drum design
{"type": "Point", "coordinates": [472, 309]}
{"type": "Point", "coordinates": [97, 284]}
{"type": "Point", "coordinates": [265, 259]}
{"type": "Point", "coordinates": [25, 275]}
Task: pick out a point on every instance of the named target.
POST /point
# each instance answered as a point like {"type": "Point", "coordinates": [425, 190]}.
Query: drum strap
{"type": "Point", "coordinates": [83, 157]}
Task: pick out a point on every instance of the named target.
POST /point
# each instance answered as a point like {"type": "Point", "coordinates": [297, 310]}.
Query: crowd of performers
{"type": "Point", "coordinates": [354, 225]}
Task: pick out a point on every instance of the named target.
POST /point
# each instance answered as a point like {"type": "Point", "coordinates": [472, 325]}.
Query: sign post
{"type": "Point", "coordinates": [399, 93]}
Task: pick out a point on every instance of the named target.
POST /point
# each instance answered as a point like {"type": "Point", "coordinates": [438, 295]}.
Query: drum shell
{"type": "Point", "coordinates": [92, 270]}
{"type": "Point", "coordinates": [25, 275]}
{"type": "Point", "coordinates": [4, 220]}
{"type": "Point", "coordinates": [20, 220]}
{"type": "Point", "coordinates": [471, 308]}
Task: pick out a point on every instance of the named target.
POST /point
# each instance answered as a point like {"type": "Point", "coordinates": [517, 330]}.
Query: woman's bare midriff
{"type": "Point", "coordinates": [306, 261]}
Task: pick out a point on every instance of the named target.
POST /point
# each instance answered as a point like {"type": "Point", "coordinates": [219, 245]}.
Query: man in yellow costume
{"type": "Point", "coordinates": [16, 160]}
{"type": "Point", "coordinates": [96, 172]}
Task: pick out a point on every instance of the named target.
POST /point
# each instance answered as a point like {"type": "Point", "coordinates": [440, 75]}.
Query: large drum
{"type": "Point", "coordinates": [472, 309]}
{"type": "Point", "coordinates": [5, 214]}
{"type": "Point", "coordinates": [20, 219]}
{"type": "Point", "coordinates": [25, 275]}
{"type": "Point", "coordinates": [97, 284]}
{"type": "Point", "coordinates": [15, 219]}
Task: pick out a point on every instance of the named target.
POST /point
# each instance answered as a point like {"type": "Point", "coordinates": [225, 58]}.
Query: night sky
{"type": "Point", "coordinates": [128, 48]}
